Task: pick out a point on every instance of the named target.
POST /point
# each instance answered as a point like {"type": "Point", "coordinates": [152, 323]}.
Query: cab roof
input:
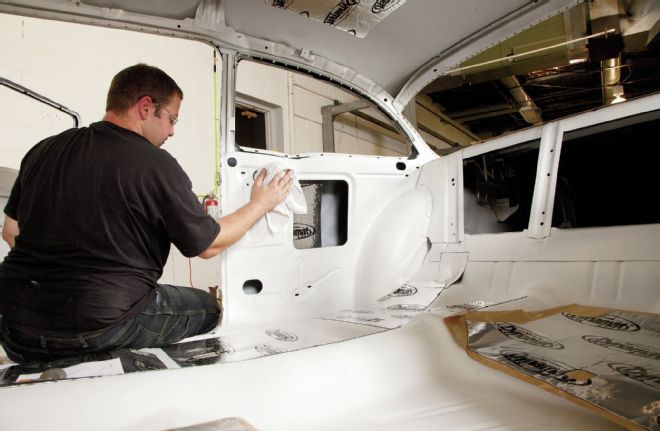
{"type": "Point", "coordinates": [417, 42]}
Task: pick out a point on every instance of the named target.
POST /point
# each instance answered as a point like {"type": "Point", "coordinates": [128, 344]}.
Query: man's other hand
{"type": "Point", "coordinates": [10, 231]}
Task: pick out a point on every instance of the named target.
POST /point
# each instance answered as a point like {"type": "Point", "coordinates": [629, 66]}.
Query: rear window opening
{"type": "Point", "coordinates": [499, 187]}
{"type": "Point", "coordinates": [608, 174]}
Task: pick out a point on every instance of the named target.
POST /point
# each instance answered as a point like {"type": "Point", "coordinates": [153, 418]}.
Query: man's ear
{"type": "Point", "coordinates": [145, 104]}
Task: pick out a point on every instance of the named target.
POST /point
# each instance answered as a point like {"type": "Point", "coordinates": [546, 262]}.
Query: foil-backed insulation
{"type": "Point", "coordinates": [603, 359]}
{"type": "Point", "coordinates": [357, 17]}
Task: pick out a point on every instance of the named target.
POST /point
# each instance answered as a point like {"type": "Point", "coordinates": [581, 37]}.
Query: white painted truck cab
{"type": "Point", "coordinates": [502, 224]}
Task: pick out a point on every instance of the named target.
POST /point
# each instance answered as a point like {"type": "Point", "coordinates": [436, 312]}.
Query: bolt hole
{"type": "Point", "coordinates": [252, 287]}
{"type": "Point", "coordinates": [401, 166]}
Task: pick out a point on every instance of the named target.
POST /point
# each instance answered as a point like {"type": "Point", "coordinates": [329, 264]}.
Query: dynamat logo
{"type": "Point", "coordinates": [406, 307]}
{"type": "Point", "coordinates": [266, 349]}
{"type": "Point", "coordinates": [340, 11]}
{"type": "Point", "coordinates": [606, 321]}
{"type": "Point", "coordinates": [404, 290]}
{"type": "Point", "coordinates": [369, 319]}
{"type": "Point", "coordinates": [361, 311]}
{"type": "Point", "coordinates": [623, 346]}
{"type": "Point", "coordinates": [546, 367]}
{"type": "Point", "coordinates": [382, 5]}
{"type": "Point", "coordinates": [302, 231]}
{"type": "Point", "coordinates": [281, 3]}
{"type": "Point", "coordinates": [515, 332]}
{"type": "Point", "coordinates": [281, 335]}
{"type": "Point", "coordinates": [635, 372]}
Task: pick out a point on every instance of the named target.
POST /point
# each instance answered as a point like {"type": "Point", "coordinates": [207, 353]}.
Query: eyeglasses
{"type": "Point", "coordinates": [173, 119]}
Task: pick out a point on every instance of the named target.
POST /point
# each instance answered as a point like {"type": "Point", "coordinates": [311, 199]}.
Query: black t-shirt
{"type": "Point", "coordinates": [97, 209]}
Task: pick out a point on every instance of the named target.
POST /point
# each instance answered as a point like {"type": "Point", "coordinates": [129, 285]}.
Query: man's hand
{"type": "Point", "coordinates": [10, 231]}
{"type": "Point", "coordinates": [263, 198]}
{"type": "Point", "coordinates": [268, 196]}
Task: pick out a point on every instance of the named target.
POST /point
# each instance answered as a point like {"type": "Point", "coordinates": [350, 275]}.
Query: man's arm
{"type": "Point", "coordinates": [10, 231]}
{"type": "Point", "coordinates": [263, 199]}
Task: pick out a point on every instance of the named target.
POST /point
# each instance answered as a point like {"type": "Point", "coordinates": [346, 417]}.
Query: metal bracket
{"type": "Point", "coordinates": [328, 114]}
{"type": "Point", "coordinates": [43, 99]}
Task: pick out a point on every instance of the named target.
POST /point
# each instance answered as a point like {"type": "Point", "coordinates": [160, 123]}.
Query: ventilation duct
{"type": "Point", "coordinates": [527, 108]}
{"type": "Point", "coordinates": [610, 74]}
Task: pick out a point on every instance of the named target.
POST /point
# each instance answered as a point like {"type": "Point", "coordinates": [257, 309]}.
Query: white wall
{"type": "Point", "coordinates": [301, 98]}
{"type": "Point", "coordinates": [73, 65]}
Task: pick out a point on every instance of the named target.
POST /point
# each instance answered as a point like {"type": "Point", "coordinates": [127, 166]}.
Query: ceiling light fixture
{"type": "Point", "coordinates": [617, 92]}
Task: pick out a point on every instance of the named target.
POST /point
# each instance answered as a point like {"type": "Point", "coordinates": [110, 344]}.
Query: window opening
{"type": "Point", "coordinates": [326, 221]}
{"type": "Point", "coordinates": [250, 128]}
{"type": "Point", "coordinates": [315, 116]}
{"type": "Point", "coordinates": [498, 188]}
{"type": "Point", "coordinates": [604, 178]}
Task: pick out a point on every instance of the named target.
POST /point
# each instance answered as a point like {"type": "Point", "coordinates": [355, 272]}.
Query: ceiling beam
{"type": "Point", "coordinates": [432, 120]}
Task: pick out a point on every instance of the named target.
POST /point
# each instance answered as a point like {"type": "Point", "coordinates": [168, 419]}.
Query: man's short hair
{"type": "Point", "coordinates": [135, 82]}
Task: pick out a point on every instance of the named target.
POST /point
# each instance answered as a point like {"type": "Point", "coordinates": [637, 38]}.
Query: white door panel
{"type": "Point", "coordinates": [299, 283]}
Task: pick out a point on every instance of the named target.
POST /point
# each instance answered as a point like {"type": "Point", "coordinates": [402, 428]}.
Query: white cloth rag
{"type": "Point", "coordinates": [294, 203]}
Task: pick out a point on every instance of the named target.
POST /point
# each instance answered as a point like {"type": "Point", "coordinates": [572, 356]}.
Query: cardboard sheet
{"type": "Point", "coordinates": [605, 360]}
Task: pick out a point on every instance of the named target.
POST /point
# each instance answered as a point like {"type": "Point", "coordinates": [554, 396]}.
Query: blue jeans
{"type": "Point", "coordinates": [174, 313]}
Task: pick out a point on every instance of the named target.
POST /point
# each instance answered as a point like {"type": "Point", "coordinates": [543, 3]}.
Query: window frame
{"type": "Point", "coordinates": [273, 120]}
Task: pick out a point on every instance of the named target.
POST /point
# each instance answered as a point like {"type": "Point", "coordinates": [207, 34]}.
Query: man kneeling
{"type": "Point", "coordinates": [90, 221]}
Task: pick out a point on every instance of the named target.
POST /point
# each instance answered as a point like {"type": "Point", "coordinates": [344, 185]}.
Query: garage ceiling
{"type": "Point", "coordinates": [508, 95]}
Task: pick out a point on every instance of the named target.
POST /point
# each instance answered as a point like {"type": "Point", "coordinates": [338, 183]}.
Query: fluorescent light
{"type": "Point", "coordinates": [618, 99]}
{"type": "Point", "coordinates": [617, 92]}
